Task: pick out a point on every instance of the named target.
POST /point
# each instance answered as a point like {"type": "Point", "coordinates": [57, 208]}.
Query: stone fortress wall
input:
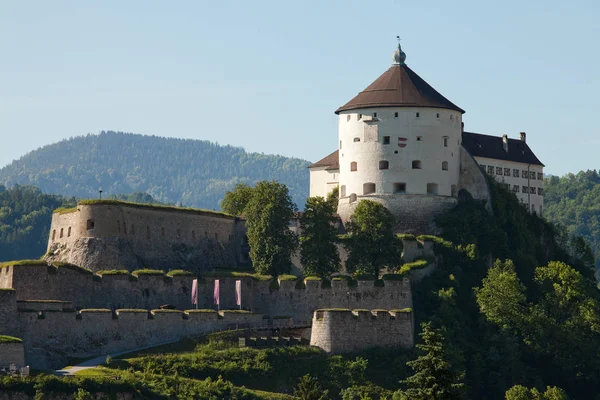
{"type": "Point", "coordinates": [117, 235]}
{"type": "Point", "coordinates": [341, 331]}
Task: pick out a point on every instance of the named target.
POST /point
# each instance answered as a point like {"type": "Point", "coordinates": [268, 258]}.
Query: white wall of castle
{"type": "Point", "coordinates": [323, 181]}
{"type": "Point", "coordinates": [420, 145]}
{"type": "Point", "coordinates": [525, 180]}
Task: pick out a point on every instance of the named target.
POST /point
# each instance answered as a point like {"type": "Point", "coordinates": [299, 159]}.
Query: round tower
{"type": "Point", "coordinates": [399, 144]}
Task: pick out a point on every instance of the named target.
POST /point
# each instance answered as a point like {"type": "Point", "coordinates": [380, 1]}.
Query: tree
{"type": "Point", "coordinates": [372, 243]}
{"type": "Point", "coordinates": [236, 200]}
{"type": "Point", "coordinates": [318, 251]}
{"type": "Point", "coordinates": [434, 377]}
{"type": "Point", "coordinates": [519, 392]}
{"type": "Point", "coordinates": [308, 388]}
{"type": "Point", "coordinates": [502, 297]}
{"type": "Point", "coordinates": [268, 213]}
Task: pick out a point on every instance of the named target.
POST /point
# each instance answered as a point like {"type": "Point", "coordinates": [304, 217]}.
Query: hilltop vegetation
{"type": "Point", "coordinates": [573, 203]}
{"type": "Point", "coordinates": [192, 173]}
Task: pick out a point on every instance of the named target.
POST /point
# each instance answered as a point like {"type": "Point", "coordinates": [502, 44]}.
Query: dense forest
{"type": "Point", "coordinates": [572, 202]}
{"type": "Point", "coordinates": [192, 173]}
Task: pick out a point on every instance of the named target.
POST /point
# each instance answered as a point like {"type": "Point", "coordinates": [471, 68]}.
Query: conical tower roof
{"type": "Point", "coordinates": [399, 86]}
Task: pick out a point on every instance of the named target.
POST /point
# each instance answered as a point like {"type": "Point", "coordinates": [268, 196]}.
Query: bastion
{"type": "Point", "coordinates": [107, 234]}
{"type": "Point", "coordinates": [342, 330]}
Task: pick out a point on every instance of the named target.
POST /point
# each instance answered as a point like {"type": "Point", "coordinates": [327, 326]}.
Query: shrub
{"type": "Point", "coordinates": [402, 310]}
{"type": "Point", "coordinates": [95, 310]}
{"type": "Point", "coordinates": [313, 278]}
{"type": "Point", "coordinates": [73, 267]}
{"type": "Point", "coordinates": [108, 360]}
{"type": "Point", "coordinates": [9, 339]}
{"type": "Point", "coordinates": [406, 236]}
{"type": "Point", "coordinates": [287, 277]}
{"type": "Point", "coordinates": [112, 272]}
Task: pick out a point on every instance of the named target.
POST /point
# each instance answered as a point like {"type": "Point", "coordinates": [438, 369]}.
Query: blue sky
{"type": "Point", "coordinates": [268, 75]}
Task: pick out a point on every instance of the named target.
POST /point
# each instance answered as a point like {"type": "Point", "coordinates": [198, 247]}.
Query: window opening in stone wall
{"type": "Point", "coordinates": [531, 175]}
{"type": "Point", "coordinates": [490, 169]}
{"type": "Point", "coordinates": [352, 197]}
{"type": "Point", "coordinates": [418, 115]}
{"type": "Point", "coordinates": [124, 228]}
{"type": "Point", "coordinates": [383, 164]}
{"type": "Point", "coordinates": [445, 141]}
{"type": "Point", "coordinates": [90, 224]}
{"type": "Point", "coordinates": [162, 232]}
{"type": "Point", "coordinates": [374, 115]}
{"type": "Point", "coordinates": [506, 171]}
{"type": "Point", "coordinates": [340, 144]}
{"type": "Point", "coordinates": [432, 188]}
{"type": "Point", "coordinates": [498, 170]}
{"type": "Point", "coordinates": [395, 151]}
{"type": "Point", "coordinates": [356, 139]}
{"type": "Point", "coordinates": [451, 117]}
{"type": "Point", "coordinates": [69, 232]}
{"type": "Point", "coordinates": [540, 178]}
{"type": "Point", "coordinates": [524, 173]}
{"type": "Point", "coordinates": [343, 191]}
{"type": "Point", "coordinates": [482, 167]}
{"type": "Point", "coordinates": [359, 117]}
{"type": "Point", "coordinates": [395, 115]}
{"type": "Point", "coordinates": [386, 140]}
{"type": "Point", "coordinates": [54, 234]}
{"type": "Point", "coordinates": [399, 187]}
{"type": "Point", "coordinates": [516, 173]}
{"type": "Point", "coordinates": [353, 166]}
{"type": "Point", "coordinates": [437, 115]}
{"type": "Point", "coordinates": [416, 164]}
{"type": "Point", "coordinates": [419, 138]}
{"type": "Point", "coordinates": [453, 190]}
{"type": "Point", "coordinates": [444, 165]}
{"type": "Point", "coordinates": [147, 232]}
{"type": "Point", "coordinates": [402, 142]}
{"type": "Point", "coordinates": [368, 188]}
{"type": "Point", "coordinates": [61, 233]}
{"type": "Point", "coordinates": [541, 211]}
{"type": "Point", "coordinates": [533, 190]}
{"type": "Point", "coordinates": [525, 189]}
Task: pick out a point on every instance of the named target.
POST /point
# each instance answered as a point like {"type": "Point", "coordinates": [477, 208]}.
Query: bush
{"type": "Point", "coordinates": [9, 339]}
{"type": "Point", "coordinates": [112, 272]}
{"type": "Point", "coordinates": [406, 236]}
{"type": "Point", "coordinates": [287, 277]}
{"type": "Point", "coordinates": [148, 272]}
{"type": "Point", "coordinates": [180, 272]}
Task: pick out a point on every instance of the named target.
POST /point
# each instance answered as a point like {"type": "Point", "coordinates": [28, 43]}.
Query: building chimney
{"type": "Point", "coordinates": [505, 142]}
{"type": "Point", "coordinates": [523, 136]}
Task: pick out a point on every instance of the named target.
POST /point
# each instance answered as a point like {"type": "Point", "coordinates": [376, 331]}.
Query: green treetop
{"type": "Point", "coordinates": [318, 251]}
{"type": "Point", "coordinates": [235, 201]}
{"type": "Point", "coordinates": [372, 244]}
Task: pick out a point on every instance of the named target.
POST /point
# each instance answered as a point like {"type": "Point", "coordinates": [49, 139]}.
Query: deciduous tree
{"type": "Point", "coordinates": [236, 200]}
{"type": "Point", "coordinates": [318, 251]}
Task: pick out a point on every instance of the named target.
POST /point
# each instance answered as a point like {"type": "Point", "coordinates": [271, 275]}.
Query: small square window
{"type": "Point", "coordinates": [418, 115]}
{"type": "Point", "coordinates": [490, 169]}
{"type": "Point", "coordinates": [525, 189]}
{"type": "Point", "coordinates": [540, 176]}
{"type": "Point", "coordinates": [498, 170]}
{"type": "Point", "coordinates": [531, 175]}
{"type": "Point", "coordinates": [419, 138]}
{"type": "Point", "coordinates": [524, 173]}
{"type": "Point", "coordinates": [541, 191]}
{"type": "Point", "coordinates": [445, 141]}
{"type": "Point", "coordinates": [506, 171]}
{"type": "Point", "coordinates": [533, 190]}
{"type": "Point", "coordinates": [374, 115]}
{"type": "Point", "coordinates": [516, 173]}
{"type": "Point", "coordinates": [386, 140]}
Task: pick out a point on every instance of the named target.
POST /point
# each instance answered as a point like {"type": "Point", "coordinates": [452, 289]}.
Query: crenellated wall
{"type": "Point", "coordinates": [116, 235]}
{"type": "Point", "coordinates": [342, 331]}
{"type": "Point", "coordinates": [52, 337]}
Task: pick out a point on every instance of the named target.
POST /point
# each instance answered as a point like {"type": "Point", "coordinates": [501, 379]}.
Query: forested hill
{"type": "Point", "coordinates": [573, 201]}
{"type": "Point", "coordinates": [193, 173]}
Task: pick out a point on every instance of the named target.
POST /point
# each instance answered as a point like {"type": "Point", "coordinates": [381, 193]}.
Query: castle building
{"type": "Point", "coordinates": [402, 143]}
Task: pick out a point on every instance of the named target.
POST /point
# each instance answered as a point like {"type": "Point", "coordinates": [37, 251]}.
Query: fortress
{"type": "Point", "coordinates": [401, 143]}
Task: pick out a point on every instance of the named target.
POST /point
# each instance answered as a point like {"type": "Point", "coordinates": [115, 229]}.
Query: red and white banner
{"type": "Point", "coordinates": [216, 293]}
{"type": "Point", "coordinates": [195, 291]}
{"type": "Point", "coordinates": [238, 292]}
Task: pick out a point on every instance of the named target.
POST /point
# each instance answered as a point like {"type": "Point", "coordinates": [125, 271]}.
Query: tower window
{"type": "Point", "coordinates": [419, 138]}
{"type": "Point", "coordinates": [356, 139]}
{"type": "Point", "coordinates": [359, 117]}
{"type": "Point", "coordinates": [69, 232]}
{"type": "Point", "coordinates": [506, 171]}
{"type": "Point", "coordinates": [445, 141]}
{"type": "Point", "coordinates": [399, 187]}
{"type": "Point", "coordinates": [437, 115]}
{"type": "Point", "coordinates": [516, 173]}
{"type": "Point", "coordinates": [340, 144]}
{"type": "Point", "coordinates": [347, 117]}
{"type": "Point", "coordinates": [61, 232]}
{"type": "Point", "coordinates": [352, 197]}
{"type": "Point", "coordinates": [432, 188]}
{"type": "Point", "coordinates": [418, 115]}
{"type": "Point", "coordinates": [416, 164]}
{"type": "Point", "coordinates": [353, 166]}
{"type": "Point", "coordinates": [384, 164]}
{"type": "Point", "coordinates": [490, 169]}
{"type": "Point", "coordinates": [451, 117]}
{"type": "Point", "coordinates": [54, 234]}
{"type": "Point", "coordinates": [90, 224]}
{"type": "Point", "coordinates": [395, 115]}
{"type": "Point", "coordinates": [386, 140]}
{"type": "Point", "coordinates": [395, 151]}
{"type": "Point", "coordinates": [444, 165]}
{"type": "Point", "coordinates": [368, 188]}
{"type": "Point", "coordinates": [498, 170]}
{"type": "Point", "coordinates": [516, 188]}
{"type": "Point", "coordinates": [343, 191]}
{"type": "Point", "coordinates": [193, 234]}
{"type": "Point", "coordinates": [374, 115]}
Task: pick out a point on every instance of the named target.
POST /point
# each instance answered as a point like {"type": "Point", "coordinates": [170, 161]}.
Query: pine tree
{"type": "Point", "coordinates": [434, 377]}
{"type": "Point", "coordinates": [308, 388]}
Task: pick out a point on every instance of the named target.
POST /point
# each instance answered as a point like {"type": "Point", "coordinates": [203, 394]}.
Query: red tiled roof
{"type": "Point", "coordinates": [332, 161]}
{"type": "Point", "coordinates": [399, 86]}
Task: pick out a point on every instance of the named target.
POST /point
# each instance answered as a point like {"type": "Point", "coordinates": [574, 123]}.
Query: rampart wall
{"type": "Point", "coordinates": [472, 179]}
{"type": "Point", "coordinates": [52, 337]}
{"type": "Point", "coordinates": [12, 353]}
{"type": "Point", "coordinates": [125, 236]}
{"type": "Point", "coordinates": [341, 331]}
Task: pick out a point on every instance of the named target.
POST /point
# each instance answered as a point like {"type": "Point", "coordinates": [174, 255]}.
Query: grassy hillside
{"type": "Point", "coordinates": [189, 172]}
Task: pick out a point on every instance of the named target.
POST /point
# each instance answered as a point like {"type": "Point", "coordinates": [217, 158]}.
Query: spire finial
{"type": "Point", "coordinates": [399, 55]}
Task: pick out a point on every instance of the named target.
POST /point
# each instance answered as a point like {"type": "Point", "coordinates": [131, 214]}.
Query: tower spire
{"type": "Point", "coordinates": [399, 55]}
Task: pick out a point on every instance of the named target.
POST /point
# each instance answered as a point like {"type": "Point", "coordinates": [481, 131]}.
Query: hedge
{"type": "Point", "coordinates": [9, 339]}
{"type": "Point", "coordinates": [180, 272]}
{"type": "Point", "coordinates": [148, 272]}
{"type": "Point", "coordinates": [287, 277]}
{"type": "Point", "coordinates": [406, 236]}
{"type": "Point", "coordinates": [113, 272]}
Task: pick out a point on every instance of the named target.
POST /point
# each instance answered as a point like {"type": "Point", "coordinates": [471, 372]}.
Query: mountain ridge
{"type": "Point", "coordinates": [189, 172]}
